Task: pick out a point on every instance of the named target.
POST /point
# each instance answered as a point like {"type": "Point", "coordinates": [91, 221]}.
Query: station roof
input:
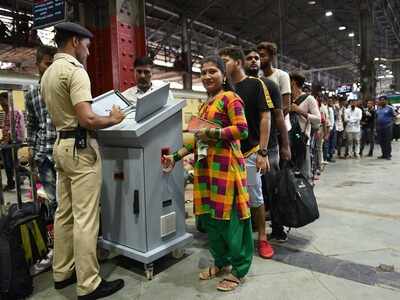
{"type": "Point", "coordinates": [315, 33]}
{"type": "Point", "coordinates": [309, 34]}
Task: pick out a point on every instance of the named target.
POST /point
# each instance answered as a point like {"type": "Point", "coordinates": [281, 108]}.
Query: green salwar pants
{"type": "Point", "coordinates": [230, 242]}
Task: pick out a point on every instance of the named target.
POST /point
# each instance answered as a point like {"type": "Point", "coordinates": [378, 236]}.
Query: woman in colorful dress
{"type": "Point", "coordinates": [220, 194]}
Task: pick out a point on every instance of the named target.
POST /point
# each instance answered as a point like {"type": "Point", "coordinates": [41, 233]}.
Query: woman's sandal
{"type": "Point", "coordinates": [209, 273]}
{"type": "Point", "coordinates": [232, 282]}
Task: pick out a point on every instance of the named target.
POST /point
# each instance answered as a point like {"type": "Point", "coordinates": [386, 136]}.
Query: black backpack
{"type": "Point", "coordinates": [294, 202]}
{"type": "Point", "coordinates": [15, 280]}
{"type": "Point", "coordinates": [297, 137]}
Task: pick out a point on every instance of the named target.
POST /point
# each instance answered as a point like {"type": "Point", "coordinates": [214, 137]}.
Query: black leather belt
{"type": "Point", "coordinates": [70, 134]}
{"type": "Point", "coordinates": [67, 134]}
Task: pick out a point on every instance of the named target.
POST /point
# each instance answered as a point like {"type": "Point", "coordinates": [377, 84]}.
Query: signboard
{"type": "Point", "coordinates": [48, 12]}
{"type": "Point", "coordinates": [344, 89]}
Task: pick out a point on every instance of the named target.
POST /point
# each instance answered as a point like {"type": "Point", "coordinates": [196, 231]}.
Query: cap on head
{"type": "Point", "coordinates": [74, 28]}
{"type": "Point", "coordinates": [383, 98]}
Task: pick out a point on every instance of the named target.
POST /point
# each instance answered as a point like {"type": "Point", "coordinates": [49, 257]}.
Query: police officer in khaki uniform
{"type": "Point", "coordinates": [65, 88]}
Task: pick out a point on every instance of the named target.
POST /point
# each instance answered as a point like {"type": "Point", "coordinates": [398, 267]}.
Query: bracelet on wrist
{"type": "Point", "coordinates": [176, 156]}
{"type": "Point", "coordinates": [213, 133]}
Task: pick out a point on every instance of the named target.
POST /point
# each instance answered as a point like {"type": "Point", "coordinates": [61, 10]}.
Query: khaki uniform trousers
{"type": "Point", "coordinates": [76, 223]}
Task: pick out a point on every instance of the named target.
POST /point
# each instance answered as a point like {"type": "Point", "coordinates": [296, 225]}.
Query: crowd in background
{"type": "Point", "coordinates": [351, 129]}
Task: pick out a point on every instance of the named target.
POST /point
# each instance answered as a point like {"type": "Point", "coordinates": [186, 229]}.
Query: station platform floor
{"type": "Point", "coordinates": [351, 253]}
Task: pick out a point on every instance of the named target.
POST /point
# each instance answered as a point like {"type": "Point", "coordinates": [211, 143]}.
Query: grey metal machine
{"type": "Point", "coordinates": [143, 212]}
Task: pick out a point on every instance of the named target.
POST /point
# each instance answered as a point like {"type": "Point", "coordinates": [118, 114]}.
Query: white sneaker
{"type": "Point", "coordinates": [41, 266]}
{"type": "Point", "coordinates": [50, 254]}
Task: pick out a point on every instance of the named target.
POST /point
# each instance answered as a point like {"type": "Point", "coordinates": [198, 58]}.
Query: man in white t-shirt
{"type": "Point", "coordinates": [143, 73]}
{"type": "Point", "coordinates": [352, 118]}
{"type": "Point", "coordinates": [309, 117]}
{"type": "Point", "coordinates": [340, 107]}
{"type": "Point", "coordinates": [267, 52]}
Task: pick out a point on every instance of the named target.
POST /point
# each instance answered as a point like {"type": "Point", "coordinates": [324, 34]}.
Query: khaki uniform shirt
{"type": "Point", "coordinates": [65, 84]}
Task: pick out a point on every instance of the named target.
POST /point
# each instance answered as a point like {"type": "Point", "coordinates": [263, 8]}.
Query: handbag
{"type": "Point", "coordinates": [294, 202]}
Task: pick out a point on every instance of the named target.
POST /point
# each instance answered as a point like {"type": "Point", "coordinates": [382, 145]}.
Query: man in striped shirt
{"type": "Point", "coordinates": [41, 132]}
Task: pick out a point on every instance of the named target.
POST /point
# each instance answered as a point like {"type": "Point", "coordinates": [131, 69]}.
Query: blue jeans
{"type": "Point", "coordinates": [367, 137]}
{"type": "Point", "coordinates": [332, 142]}
{"type": "Point", "coordinates": [47, 176]}
{"type": "Point", "coordinates": [254, 185]}
{"type": "Point", "coordinates": [8, 163]}
{"type": "Point", "coordinates": [385, 140]}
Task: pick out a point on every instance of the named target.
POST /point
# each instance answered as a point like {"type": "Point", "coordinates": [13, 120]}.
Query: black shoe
{"type": "Point", "coordinates": [9, 188]}
{"type": "Point", "coordinates": [381, 157]}
{"type": "Point", "coordinates": [279, 237]}
{"type": "Point", "coordinates": [58, 285]}
{"type": "Point", "coordinates": [105, 288]}
{"type": "Point", "coordinates": [268, 216]}
{"type": "Point", "coordinates": [331, 160]}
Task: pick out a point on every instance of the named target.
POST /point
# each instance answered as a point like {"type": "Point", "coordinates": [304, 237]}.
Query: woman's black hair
{"type": "Point", "coordinates": [219, 63]}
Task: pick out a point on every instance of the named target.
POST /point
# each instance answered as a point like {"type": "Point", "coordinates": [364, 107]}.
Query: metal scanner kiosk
{"type": "Point", "coordinates": [143, 213]}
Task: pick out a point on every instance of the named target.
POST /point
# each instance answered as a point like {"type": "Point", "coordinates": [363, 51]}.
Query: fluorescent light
{"type": "Point", "coordinates": [198, 88]}
{"type": "Point", "coordinates": [358, 45]}
{"type": "Point", "coordinates": [376, 58]}
{"type": "Point", "coordinates": [176, 85]}
{"type": "Point", "coordinates": [351, 34]}
{"type": "Point", "coordinates": [196, 69]}
{"type": "Point", "coordinates": [328, 13]}
{"type": "Point", "coordinates": [159, 62]}
{"type": "Point", "coordinates": [342, 28]}
{"type": "Point", "coordinates": [312, 2]}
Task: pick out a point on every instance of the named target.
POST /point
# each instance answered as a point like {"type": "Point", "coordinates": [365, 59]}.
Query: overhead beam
{"type": "Point", "coordinates": [345, 66]}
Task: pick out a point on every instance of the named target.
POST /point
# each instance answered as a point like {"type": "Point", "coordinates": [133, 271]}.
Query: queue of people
{"type": "Point", "coordinates": [348, 127]}
{"type": "Point", "coordinates": [253, 106]}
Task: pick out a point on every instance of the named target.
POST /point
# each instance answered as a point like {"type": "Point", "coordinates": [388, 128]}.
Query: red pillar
{"type": "Point", "coordinates": [119, 37]}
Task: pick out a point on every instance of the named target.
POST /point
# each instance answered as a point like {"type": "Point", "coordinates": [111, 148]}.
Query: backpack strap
{"type": "Point", "coordinates": [26, 243]}
{"type": "Point", "coordinates": [38, 239]}
{"type": "Point", "coordinates": [298, 101]}
{"type": "Point", "coordinates": [267, 96]}
{"type": "Point", "coordinates": [6, 264]}
{"type": "Point", "coordinates": [301, 99]}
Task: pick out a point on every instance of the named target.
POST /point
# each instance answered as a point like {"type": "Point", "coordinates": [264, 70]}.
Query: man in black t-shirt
{"type": "Point", "coordinates": [368, 128]}
{"type": "Point", "coordinates": [278, 136]}
{"type": "Point", "coordinates": [257, 104]}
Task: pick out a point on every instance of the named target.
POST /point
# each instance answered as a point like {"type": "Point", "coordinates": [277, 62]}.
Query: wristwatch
{"type": "Point", "coordinates": [263, 152]}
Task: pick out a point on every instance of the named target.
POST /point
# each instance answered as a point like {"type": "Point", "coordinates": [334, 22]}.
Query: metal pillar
{"type": "Point", "coordinates": [367, 67]}
{"type": "Point", "coordinates": [186, 55]}
{"type": "Point", "coordinates": [396, 74]}
{"type": "Point", "coordinates": [118, 26]}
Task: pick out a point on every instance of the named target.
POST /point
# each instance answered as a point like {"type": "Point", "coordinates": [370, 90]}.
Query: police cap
{"type": "Point", "coordinates": [74, 28]}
